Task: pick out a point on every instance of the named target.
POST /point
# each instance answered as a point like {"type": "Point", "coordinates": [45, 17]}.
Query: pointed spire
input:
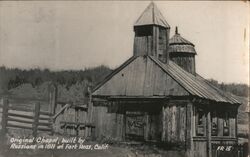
{"type": "Point", "coordinates": [176, 30]}
{"type": "Point", "coordinates": [178, 39]}
{"type": "Point", "coordinates": [152, 16]}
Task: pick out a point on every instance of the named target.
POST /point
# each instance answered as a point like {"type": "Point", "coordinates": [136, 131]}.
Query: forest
{"type": "Point", "coordinates": [33, 83]}
{"type": "Point", "coordinates": [72, 84]}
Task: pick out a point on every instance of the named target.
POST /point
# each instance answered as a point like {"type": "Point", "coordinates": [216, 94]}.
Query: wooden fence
{"type": "Point", "coordinates": [23, 118]}
{"type": "Point", "coordinates": [73, 120]}
{"type": "Point", "coordinates": [70, 119]}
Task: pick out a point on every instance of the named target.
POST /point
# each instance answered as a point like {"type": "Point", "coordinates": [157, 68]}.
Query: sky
{"type": "Point", "coordinates": [81, 34]}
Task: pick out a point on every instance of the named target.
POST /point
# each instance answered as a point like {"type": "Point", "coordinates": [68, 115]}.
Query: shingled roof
{"type": "Point", "coordinates": [152, 16]}
{"type": "Point", "coordinates": [129, 81]}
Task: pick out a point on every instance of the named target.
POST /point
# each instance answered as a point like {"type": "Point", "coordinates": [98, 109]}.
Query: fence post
{"type": "Point", "coordinates": [4, 117]}
{"type": "Point", "coordinates": [36, 119]}
{"type": "Point", "coordinates": [53, 98]}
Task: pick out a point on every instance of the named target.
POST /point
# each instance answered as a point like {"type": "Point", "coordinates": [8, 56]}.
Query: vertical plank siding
{"type": "Point", "coordinates": [174, 124]}
{"type": "Point", "coordinates": [142, 77]}
{"type": "Point", "coordinates": [57, 127]}
{"type": "Point", "coordinates": [73, 121]}
{"type": "Point", "coordinates": [108, 124]}
{"type": "Point", "coordinates": [200, 149]}
{"type": "Point", "coordinates": [186, 62]}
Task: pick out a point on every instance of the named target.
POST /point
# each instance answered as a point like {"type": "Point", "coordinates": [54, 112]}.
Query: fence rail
{"type": "Point", "coordinates": [63, 117]}
{"type": "Point", "coordinates": [68, 119]}
{"type": "Point", "coordinates": [18, 117]}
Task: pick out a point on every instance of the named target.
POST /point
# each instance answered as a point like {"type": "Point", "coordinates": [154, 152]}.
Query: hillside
{"type": "Point", "coordinates": [33, 84]}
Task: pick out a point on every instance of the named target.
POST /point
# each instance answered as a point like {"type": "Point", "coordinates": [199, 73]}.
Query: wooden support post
{"type": "Point", "coordinates": [189, 114]}
{"type": "Point", "coordinates": [154, 42]}
{"type": "Point", "coordinates": [89, 132]}
{"type": "Point", "coordinates": [208, 134]}
{"type": "Point", "coordinates": [53, 104]}
{"type": "Point", "coordinates": [189, 129]}
{"type": "Point", "coordinates": [163, 124]}
{"type": "Point", "coordinates": [146, 127]}
{"type": "Point", "coordinates": [53, 99]}
{"type": "Point", "coordinates": [36, 119]}
{"type": "Point", "coordinates": [4, 117]}
{"type": "Point", "coordinates": [236, 125]}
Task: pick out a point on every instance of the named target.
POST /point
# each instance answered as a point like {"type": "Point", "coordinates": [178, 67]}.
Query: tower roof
{"type": "Point", "coordinates": [179, 44]}
{"type": "Point", "coordinates": [152, 16]}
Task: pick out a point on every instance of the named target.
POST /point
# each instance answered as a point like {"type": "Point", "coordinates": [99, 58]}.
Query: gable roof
{"type": "Point", "coordinates": [152, 16]}
{"type": "Point", "coordinates": [142, 78]}
{"type": "Point", "coordinates": [194, 85]}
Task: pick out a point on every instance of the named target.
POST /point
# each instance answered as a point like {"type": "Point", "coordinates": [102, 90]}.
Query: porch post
{"type": "Point", "coordinates": [189, 128]}
{"type": "Point", "coordinates": [208, 134]}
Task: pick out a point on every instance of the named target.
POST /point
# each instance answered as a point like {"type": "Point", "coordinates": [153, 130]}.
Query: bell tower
{"type": "Point", "coordinates": [182, 52]}
{"type": "Point", "coordinates": [151, 34]}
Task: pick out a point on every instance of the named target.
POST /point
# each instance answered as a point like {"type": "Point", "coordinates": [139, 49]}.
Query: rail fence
{"type": "Point", "coordinates": [25, 118]}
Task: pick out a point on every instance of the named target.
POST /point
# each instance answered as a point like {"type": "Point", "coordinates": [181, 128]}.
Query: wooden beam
{"type": "Point", "coordinates": [208, 134]}
{"type": "Point", "coordinates": [14, 119]}
{"type": "Point", "coordinates": [163, 138]}
{"type": "Point", "coordinates": [18, 108]}
{"type": "Point", "coordinates": [20, 115]}
{"type": "Point", "coordinates": [45, 118]}
{"type": "Point", "coordinates": [43, 129]}
{"type": "Point", "coordinates": [146, 127]}
{"type": "Point", "coordinates": [4, 117]}
{"type": "Point", "coordinates": [36, 119]}
{"type": "Point", "coordinates": [53, 98]}
{"type": "Point", "coordinates": [20, 126]}
{"type": "Point", "coordinates": [61, 110]}
{"type": "Point", "coordinates": [189, 129]}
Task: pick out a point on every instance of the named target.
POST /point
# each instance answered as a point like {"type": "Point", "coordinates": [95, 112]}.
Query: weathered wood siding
{"type": "Point", "coordinates": [174, 124]}
{"type": "Point", "coordinates": [108, 124]}
{"type": "Point", "coordinates": [71, 121]}
{"type": "Point", "coordinates": [200, 148]}
{"type": "Point", "coordinates": [151, 40]}
{"type": "Point", "coordinates": [143, 41]}
{"type": "Point", "coordinates": [142, 77]}
{"type": "Point", "coordinates": [187, 62]}
{"type": "Point", "coordinates": [162, 44]}
{"type": "Point", "coordinates": [143, 45]}
{"type": "Point", "coordinates": [111, 120]}
{"type": "Point", "coordinates": [57, 127]}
